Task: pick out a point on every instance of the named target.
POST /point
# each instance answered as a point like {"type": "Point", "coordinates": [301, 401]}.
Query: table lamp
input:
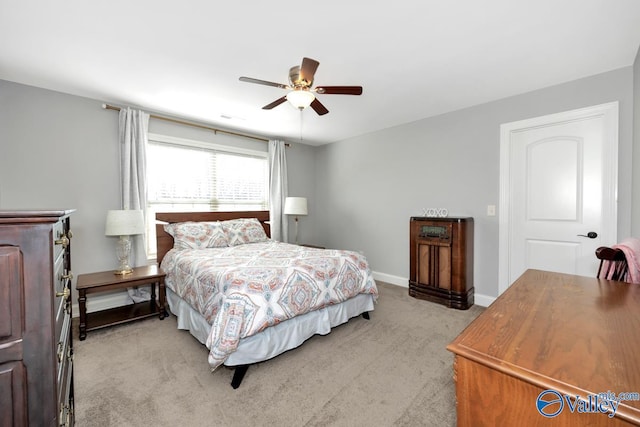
{"type": "Point", "coordinates": [124, 223]}
{"type": "Point", "coordinates": [295, 206]}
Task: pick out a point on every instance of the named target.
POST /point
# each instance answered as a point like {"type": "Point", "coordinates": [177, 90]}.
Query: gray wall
{"type": "Point", "coordinates": [635, 221]}
{"type": "Point", "coordinates": [301, 165]}
{"type": "Point", "coordinates": [61, 151]}
{"type": "Point", "coordinates": [371, 185]}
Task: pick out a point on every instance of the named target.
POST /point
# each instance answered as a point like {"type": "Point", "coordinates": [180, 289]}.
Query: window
{"type": "Point", "coordinates": [189, 176]}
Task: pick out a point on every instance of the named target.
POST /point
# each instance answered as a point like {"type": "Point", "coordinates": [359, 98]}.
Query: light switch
{"type": "Point", "coordinates": [491, 210]}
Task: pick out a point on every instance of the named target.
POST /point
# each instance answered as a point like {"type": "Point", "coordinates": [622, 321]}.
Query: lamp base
{"type": "Point", "coordinates": [122, 252]}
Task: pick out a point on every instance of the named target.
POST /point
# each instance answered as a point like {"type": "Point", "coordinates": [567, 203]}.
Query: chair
{"type": "Point", "coordinates": [613, 264]}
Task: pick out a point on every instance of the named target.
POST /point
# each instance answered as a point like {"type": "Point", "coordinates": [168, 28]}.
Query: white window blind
{"type": "Point", "coordinates": [190, 176]}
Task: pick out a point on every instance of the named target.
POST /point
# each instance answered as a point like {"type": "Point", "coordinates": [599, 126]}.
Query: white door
{"type": "Point", "coordinates": [558, 177]}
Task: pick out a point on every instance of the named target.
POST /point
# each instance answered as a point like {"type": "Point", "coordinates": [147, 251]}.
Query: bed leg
{"type": "Point", "coordinates": [366, 315]}
{"type": "Point", "coordinates": [238, 375]}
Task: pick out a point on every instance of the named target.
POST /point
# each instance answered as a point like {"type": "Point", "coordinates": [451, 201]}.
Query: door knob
{"type": "Point", "coordinates": [591, 235]}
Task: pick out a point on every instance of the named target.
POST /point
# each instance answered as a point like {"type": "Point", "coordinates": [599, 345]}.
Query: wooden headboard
{"type": "Point", "coordinates": [165, 241]}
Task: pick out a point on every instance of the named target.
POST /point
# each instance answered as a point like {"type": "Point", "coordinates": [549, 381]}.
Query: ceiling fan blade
{"type": "Point", "coordinates": [275, 103]}
{"type": "Point", "coordinates": [263, 82]}
{"type": "Point", "coordinates": [308, 69]}
{"type": "Point", "coordinates": [319, 108]}
{"type": "Point", "coordinates": [339, 90]}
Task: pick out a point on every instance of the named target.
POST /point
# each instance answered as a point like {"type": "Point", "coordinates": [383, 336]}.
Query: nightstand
{"type": "Point", "coordinates": [108, 281]}
{"type": "Point", "coordinates": [312, 246]}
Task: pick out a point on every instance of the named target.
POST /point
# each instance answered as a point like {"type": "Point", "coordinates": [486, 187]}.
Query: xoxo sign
{"type": "Point", "coordinates": [435, 212]}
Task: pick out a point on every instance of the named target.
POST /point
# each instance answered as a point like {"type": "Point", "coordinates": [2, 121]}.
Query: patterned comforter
{"type": "Point", "coordinates": [241, 290]}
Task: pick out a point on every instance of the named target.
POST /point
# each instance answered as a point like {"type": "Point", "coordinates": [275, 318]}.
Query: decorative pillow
{"type": "Point", "coordinates": [244, 230]}
{"type": "Point", "coordinates": [197, 235]}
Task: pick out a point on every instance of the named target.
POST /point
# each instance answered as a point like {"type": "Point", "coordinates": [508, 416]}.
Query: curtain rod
{"type": "Point", "coordinates": [184, 122]}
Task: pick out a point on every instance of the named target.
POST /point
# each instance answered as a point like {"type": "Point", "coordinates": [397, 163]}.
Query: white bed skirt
{"type": "Point", "coordinates": [275, 339]}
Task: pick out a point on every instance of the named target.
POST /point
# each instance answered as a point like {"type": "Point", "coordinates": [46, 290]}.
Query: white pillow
{"type": "Point", "coordinates": [197, 235]}
{"type": "Point", "coordinates": [244, 230]}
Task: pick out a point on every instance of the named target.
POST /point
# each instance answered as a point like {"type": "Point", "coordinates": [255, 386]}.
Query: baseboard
{"type": "Point", "coordinates": [483, 300]}
{"type": "Point", "coordinates": [479, 299]}
{"type": "Point", "coordinates": [388, 278]}
{"type": "Point", "coordinates": [104, 302]}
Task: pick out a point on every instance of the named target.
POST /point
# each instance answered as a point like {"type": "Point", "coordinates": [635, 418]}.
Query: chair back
{"type": "Point", "coordinates": [613, 264]}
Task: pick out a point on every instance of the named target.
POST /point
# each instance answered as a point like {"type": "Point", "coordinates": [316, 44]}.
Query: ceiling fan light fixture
{"type": "Point", "coordinates": [301, 93]}
{"type": "Point", "coordinates": [300, 99]}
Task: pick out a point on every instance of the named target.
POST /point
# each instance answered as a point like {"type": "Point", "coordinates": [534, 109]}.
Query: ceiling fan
{"type": "Point", "coordinates": [301, 93]}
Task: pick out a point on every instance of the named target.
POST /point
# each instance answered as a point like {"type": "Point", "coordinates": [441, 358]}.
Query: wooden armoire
{"type": "Point", "coordinates": [441, 260]}
{"type": "Point", "coordinates": [36, 352]}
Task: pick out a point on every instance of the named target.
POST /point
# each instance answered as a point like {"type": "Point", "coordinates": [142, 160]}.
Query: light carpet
{"type": "Point", "coordinates": [391, 370]}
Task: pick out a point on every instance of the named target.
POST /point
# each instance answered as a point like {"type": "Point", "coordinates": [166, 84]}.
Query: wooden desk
{"type": "Point", "coordinates": [576, 335]}
{"type": "Point", "coordinates": [108, 281]}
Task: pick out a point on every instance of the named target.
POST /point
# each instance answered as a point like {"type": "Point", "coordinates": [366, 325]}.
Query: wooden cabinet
{"type": "Point", "coordinates": [36, 351]}
{"type": "Point", "coordinates": [441, 260]}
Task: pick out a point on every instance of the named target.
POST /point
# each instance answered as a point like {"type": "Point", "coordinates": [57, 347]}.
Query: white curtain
{"type": "Point", "coordinates": [133, 130]}
{"type": "Point", "coordinates": [278, 190]}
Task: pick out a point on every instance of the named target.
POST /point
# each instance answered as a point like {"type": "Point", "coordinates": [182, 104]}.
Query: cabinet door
{"type": "Point", "coordinates": [11, 297]}
{"type": "Point", "coordinates": [13, 404]}
{"type": "Point", "coordinates": [13, 384]}
{"type": "Point", "coordinates": [434, 268]}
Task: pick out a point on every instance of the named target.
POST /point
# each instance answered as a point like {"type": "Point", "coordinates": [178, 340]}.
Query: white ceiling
{"type": "Point", "coordinates": [415, 59]}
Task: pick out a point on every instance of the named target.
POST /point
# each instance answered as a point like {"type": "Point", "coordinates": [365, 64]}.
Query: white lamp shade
{"type": "Point", "coordinates": [295, 206]}
{"type": "Point", "coordinates": [300, 99]}
{"type": "Point", "coordinates": [124, 223]}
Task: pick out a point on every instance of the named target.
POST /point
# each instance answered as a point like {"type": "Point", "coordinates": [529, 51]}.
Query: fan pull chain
{"type": "Point", "coordinates": [301, 119]}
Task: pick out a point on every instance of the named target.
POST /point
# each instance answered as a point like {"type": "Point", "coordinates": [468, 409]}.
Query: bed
{"type": "Point", "coordinates": [249, 298]}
